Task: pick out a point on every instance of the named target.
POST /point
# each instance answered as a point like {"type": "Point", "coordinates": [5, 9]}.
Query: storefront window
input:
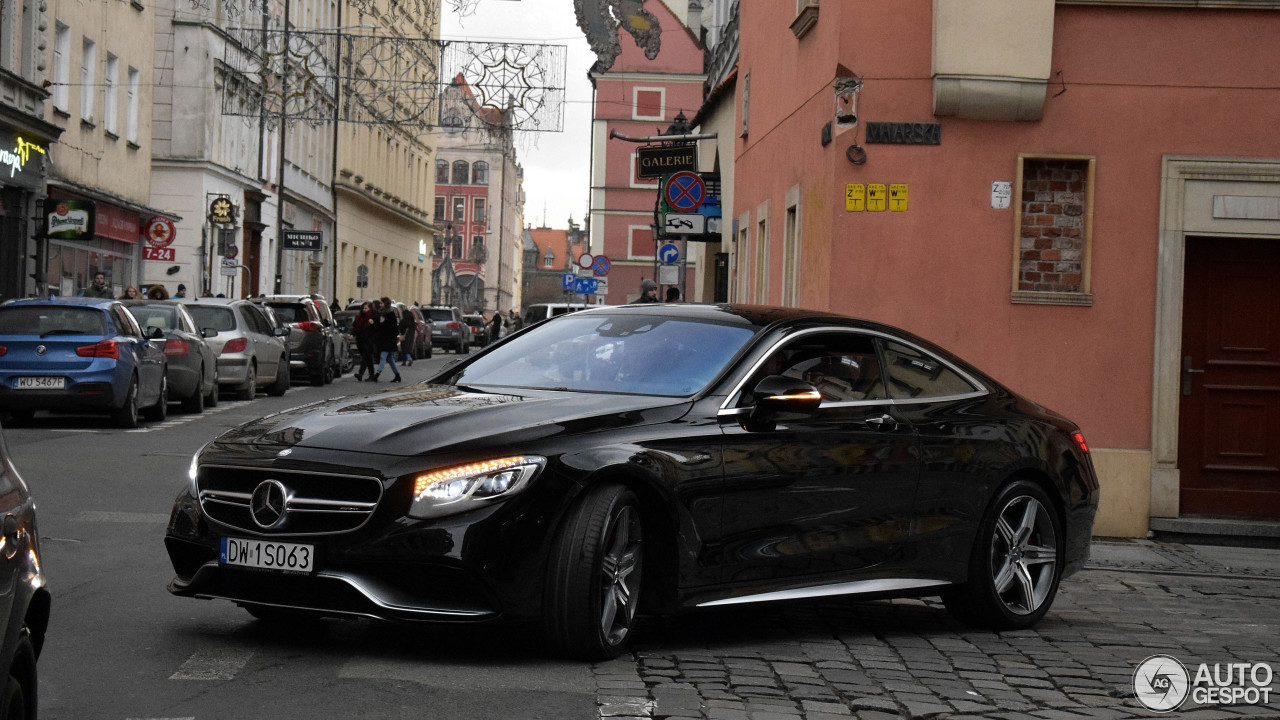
{"type": "Point", "coordinates": [73, 265]}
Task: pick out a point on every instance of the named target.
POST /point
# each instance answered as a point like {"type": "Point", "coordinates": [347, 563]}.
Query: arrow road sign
{"type": "Point", "coordinates": [685, 191]}
{"type": "Point", "coordinates": [668, 253]}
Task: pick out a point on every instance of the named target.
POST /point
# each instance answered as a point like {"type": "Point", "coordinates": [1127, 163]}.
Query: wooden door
{"type": "Point", "coordinates": [1229, 417]}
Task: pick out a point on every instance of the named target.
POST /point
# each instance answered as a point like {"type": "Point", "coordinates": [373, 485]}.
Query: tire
{"type": "Point", "coordinates": [126, 416]}
{"type": "Point", "coordinates": [211, 400]}
{"type": "Point", "coordinates": [466, 348]}
{"type": "Point", "coordinates": [194, 404]}
{"type": "Point", "coordinates": [1015, 564]}
{"type": "Point", "coordinates": [18, 700]}
{"type": "Point", "coordinates": [319, 373]}
{"type": "Point", "coordinates": [283, 380]}
{"type": "Point", "coordinates": [593, 580]}
{"type": "Point", "coordinates": [159, 411]}
{"type": "Point", "coordinates": [249, 390]}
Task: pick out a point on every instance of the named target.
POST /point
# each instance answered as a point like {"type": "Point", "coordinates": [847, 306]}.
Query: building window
{"type": "Point", "coordinates": [648, 103]}
{"type": "Point", "coordinates": [1052, 242]}
{"type": "Point", "coordinates": [439, 216]}
{"type": "Point", "coordinates": [477, 215]}
{"type": "Point", "coordinates": [131, 107]}
{"type": "Point", "coordinates": [791, 249]}
{"type": "Point", "coordinates": [460, 172]}
{"type": "Point", "coordinates": [549, 259]}
{"type": "Point", "coordinates": [442, 172]}
{"type": "Point", "coordinates": [761, 284]}
{"type": "Point", "coordinates": [480, 173]}
{"type": "Point", "coordinates": [459, 209]}
{"type": "Point", "coordinates": [806, 17]}
{"type": "Point", "coordinates": [88, 67]}
{"type": "Point", "coordinates": [110, 108]}
{"type": "Point", "coordinates": [61, 66]}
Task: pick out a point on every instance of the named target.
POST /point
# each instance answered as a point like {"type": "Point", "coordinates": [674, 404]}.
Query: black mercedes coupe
{"type": "Point", "coordinates": [647, 459]}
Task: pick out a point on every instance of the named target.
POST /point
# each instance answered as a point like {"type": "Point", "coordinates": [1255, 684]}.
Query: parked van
{"type": "Point", "coordinates": [538, 312]}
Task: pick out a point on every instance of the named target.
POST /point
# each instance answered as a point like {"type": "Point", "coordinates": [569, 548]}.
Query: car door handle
{"type": "Point", "coordinates": [881, 422]}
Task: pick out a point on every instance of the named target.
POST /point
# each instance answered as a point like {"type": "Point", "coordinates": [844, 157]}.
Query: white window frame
{"type": "Point", "coordinates": [110, 96]}
{"type": "Point", "coordinates": [635, 103]}
{"type": "Point", "coordinates": [61, 65]}
{"type": "Point", "coordinates": [88, 78]}
{"type": "Point", "coordinates": [131, 106]}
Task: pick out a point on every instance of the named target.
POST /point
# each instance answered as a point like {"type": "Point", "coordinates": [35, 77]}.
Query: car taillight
{"type": "Point", "coordinates": [3, 350]}
{"type": "Point", "coordinates": [177, 347]}
{"type": "Point", "coordinates": [102, 349]}
{"type": "Point", "coordinates": [235, 345]}
{"type": "Point", "coordinates": [308, 326]}
{"type": "Point", "coordinates": [453, 326]}
{"type": "Point", "coordinates": [1080, 443]}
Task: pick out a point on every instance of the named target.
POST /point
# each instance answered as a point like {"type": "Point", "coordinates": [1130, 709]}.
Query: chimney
{"type": "Point", "coordinates": [695, 19]}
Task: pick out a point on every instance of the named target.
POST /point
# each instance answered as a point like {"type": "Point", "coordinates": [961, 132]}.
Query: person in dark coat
{"type": "Point", "coordinates": [495, 326]}
{"type": "Point", "coordinates": [408, 331]}
{"type": "Point", "coordinates": [648, 292]}
{"type": "Point", "coordinates": [387, 338]}
{"type": "Point", "coordinates": [99, 288]}
{"type": "Point", "coordinates": [363, 328]}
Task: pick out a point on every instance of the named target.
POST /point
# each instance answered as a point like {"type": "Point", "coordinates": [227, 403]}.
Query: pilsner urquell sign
{"type": "Point", "coordinates": [69, 219]}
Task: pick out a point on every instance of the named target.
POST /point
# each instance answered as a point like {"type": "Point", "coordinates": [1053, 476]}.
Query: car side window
{"type": "Point", "coordinates": [914, 374]}
{"type": "Point", "coordinates": [842, 365]}
{"type": "Point", "coordinates": [253, 320]}
{"type": "Point", "coordinates": [125, 322]}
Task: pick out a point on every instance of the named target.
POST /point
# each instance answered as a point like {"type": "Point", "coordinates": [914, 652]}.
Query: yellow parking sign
{"type": "Point", "coordinates": [855, 197]}
{"type": "Point", "coordinates": [898, 197]}
{"type": "Point", "coordinates": [875, 198]}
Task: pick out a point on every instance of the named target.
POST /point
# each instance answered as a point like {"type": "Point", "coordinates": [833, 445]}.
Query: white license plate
{"type": "Point", "coordinates": [290, 557]}
{"type": "Point", "coordinates": [41, 383]}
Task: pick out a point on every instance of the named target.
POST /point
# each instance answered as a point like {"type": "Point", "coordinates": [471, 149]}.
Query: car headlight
{"type": "Point", "coordinates": [193, 470]}
{"type": "Point", "coordinates": [464, 487]}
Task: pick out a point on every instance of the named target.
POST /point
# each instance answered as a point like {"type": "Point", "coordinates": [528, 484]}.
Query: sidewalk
{"type": "Point", "coordinates": [1166, 557]}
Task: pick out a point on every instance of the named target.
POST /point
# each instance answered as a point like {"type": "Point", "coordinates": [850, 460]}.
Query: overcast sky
{"type": "Point", "coordinates": [556, 164]}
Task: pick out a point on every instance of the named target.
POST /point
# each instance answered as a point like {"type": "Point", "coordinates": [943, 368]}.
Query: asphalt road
{"type": "Point", "coordinates": [120, 646]}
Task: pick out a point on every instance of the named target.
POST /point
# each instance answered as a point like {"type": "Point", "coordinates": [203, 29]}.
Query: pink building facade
{"type": "Point", "coordinates": [638, 97]}
{"type": "Point", "coordinates": [1085, 204]}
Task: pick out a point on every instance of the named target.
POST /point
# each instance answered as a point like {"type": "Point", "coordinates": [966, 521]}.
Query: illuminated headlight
{"type": "Point", "coordinates": [464, 487]}
{"type": "Point", "coordinates": [193, 470]}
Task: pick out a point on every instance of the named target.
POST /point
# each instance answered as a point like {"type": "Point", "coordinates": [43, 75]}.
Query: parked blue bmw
{"type": "Point", "coordinates": [80, 354]}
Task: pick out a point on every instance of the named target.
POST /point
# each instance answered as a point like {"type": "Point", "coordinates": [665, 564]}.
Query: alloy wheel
{"type": "Point", "coordinates": [620, 565]}
{"type": "Point", "coordinates": [1024, 555]}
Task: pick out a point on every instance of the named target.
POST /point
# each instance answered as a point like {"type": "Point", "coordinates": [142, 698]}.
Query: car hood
{"type": "Point", "coordinates": [424, 418]}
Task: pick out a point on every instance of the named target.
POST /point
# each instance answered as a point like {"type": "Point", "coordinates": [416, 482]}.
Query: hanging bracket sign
{"type": "Point", "coordinates": [657, 160]}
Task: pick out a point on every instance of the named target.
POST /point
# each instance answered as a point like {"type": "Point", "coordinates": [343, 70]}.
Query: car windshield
{"type": "Point", "coordinates": [155, 316]}
{"type": "Point", "coordinates": [443, 315]}
{"type": "Point", "coordinates": [219, 318]}
{"type": "Point", "coordinates": [634, 354]}
{"type": "Point", "coordinates": [290, 313]}
{"type": "Point", "coordinates": [45, 321]}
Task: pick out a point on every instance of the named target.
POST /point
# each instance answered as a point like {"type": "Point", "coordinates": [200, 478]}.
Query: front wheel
{"type": "Point", "coordinates": [126, 416]}
{"type": "Point", "coordinates": [593, 582]}
{"type": "Point", "coordinates": [160, 410]}
{"type": "Point", "coordinates": [1016, 562]}
{"type": "Point", "coordinates": [195, 402]}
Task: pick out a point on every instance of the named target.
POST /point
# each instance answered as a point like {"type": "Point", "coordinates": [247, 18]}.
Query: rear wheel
{"type": "Point", "coordinates": [1015, 564]}
{"type": "Point", "coordinates": [18, 698]}
{"type": "Point", "coordinates": [249, 390]}
{"type": "Point", "coordinates": [212, 398]}
{"type": "Point", "coordinates": [593, 582]}
{"type": "Point", "coordinates": [160, 410]}
{"type": "Point", "coordinates": [126, 416]}
{"type": "Point", "coordinates": [195, 402]}
{"type": "Point", "coordinates": [283, 380]}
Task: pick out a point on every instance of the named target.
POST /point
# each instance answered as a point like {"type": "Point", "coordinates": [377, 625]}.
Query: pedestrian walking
{"type": "Point", "coordinates": [99, 288]}
{"type": "Point", "coordinates": [515, 321]}
{"type": "Point", "coordinates": [387, 336]}
{"type": "Point", "coordinates": [182, 291]}
{"type": "Point", "coordinates": [157, 292]}
{"type": "Point", "coordinates": [131, 293]}
{"type": "Point", "coordinates": [648, 291]}
{"type": "Point", "coordinates": [495, 326]}
{"type": "Point", "coordinates": [363, 328]}
{"type": "Point", "coordinates": [673, 294]}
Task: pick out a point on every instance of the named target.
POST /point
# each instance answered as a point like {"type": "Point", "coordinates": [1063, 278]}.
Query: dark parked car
{"type": "Point", "coordinates": [422, 338]}
{"type": "Point", "coordinates": [249, 343]}
{"type": "Point", "coordinates": [80, 354]}
{"type": "Point", "coordinates": [628, 459]}
{"type": "Point", "coordinates": [23, 595]}
{"type": "Point", "coordinates": [448, 329]}
{"type": "Point", "coordinates": [315, 345]}
{"type": "Point", "coordinates": [345, 320]}
{"type": "Point", "coordinates": [192, 366]}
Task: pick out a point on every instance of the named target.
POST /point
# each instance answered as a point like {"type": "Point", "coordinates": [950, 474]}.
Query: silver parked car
{"type": "Point", "coordinates": [191, 366]}
{"type": "Point", "coordinates": [448, 329]}
{"type": "Point", "coordinates": [250, 345]}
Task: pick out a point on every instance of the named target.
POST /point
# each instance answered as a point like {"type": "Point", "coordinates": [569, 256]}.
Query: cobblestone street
{"type": "Point", "coordinates": [880, 660]}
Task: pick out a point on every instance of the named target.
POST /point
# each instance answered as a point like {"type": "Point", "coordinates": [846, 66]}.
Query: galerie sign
{"type": "Point", "coordinates": [69, 219]}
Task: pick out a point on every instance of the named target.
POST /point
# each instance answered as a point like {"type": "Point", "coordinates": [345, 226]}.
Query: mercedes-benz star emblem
{"type": "Point", "coordinates": [40, 349]}
{"type": "Point", "coordinates": [267, 505]}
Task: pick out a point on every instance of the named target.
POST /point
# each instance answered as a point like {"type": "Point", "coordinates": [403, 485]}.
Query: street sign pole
{"type": "Point", "coordinates": [684, 264]}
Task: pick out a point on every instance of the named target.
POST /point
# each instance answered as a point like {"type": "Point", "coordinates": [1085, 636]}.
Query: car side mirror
{"type": "Point", "coordinates": [208, 332]}
{"type": "Point", "coordinates": [280, 332]}
{"type": "Point", "coordinates": [155, 333]}
{"type": "Point", "coordinates": [778, 394]}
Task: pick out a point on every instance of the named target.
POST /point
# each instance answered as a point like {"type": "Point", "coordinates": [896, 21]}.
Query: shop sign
{"type": "Point", "coordinates": [69, 219]}
{"type": "Point", "coordinates": [158, 253]}
{"type": "Point", "coordinates": [658, 161]}
{"type": "Point", "coordinates": [302, 240]}
{"type": "Point", "coordinates": [221, 211]}
{"type": "Point", "coordinates": [904, 133]}
{"type": "Point", "coordinates": [117, 224]}
{"type": "Point", "coordinates": [23, 164]}
{"type": "Point", "coordinates": [161, 231]}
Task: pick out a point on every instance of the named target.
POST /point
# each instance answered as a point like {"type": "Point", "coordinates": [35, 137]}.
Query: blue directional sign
{"type": "Point", "coordinates": [585, 286]}
{"type": "Point", "coordinates": [669, 253]}
{"type": "Point", "coordinates": [566, 281]}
